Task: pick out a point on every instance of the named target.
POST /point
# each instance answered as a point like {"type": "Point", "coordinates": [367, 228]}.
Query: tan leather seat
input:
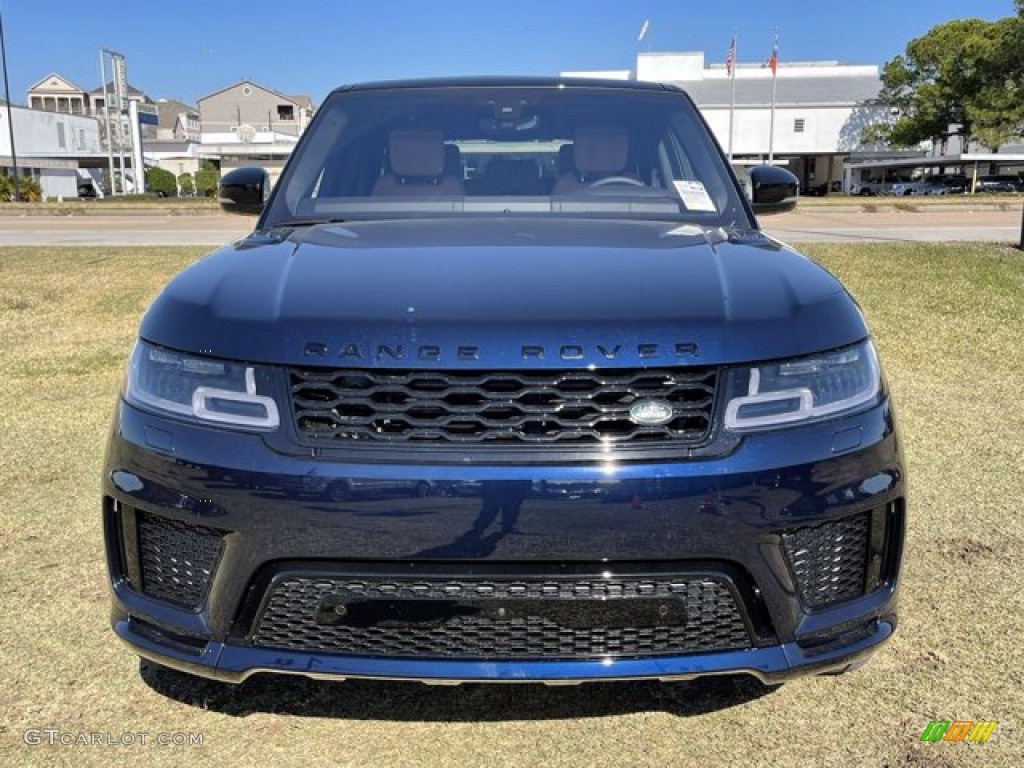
{"type": "Point", "coordinates": [597, 152]}
{"type": "Point", "coordinates": [417, 163]}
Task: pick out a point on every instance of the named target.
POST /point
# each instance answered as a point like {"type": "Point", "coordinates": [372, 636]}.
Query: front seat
{"type": "Point", "coordinates": [416, 159]}
{"type": "Point", "coordinates": [597, 152]}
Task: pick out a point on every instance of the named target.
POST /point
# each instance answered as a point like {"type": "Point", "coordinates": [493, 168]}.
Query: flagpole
{"type": "Point", "coordinates": [10, 114]}
{"type": "Point", "coordinates": [775, 82]}
{"type": "Point", "coordinates": [732, 100]}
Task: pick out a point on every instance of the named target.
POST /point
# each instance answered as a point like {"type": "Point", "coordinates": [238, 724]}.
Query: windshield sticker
{"type": "Point", "coordinates": [694, 196]}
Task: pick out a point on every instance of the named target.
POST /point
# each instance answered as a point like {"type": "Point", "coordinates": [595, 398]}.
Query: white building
{"type": "Point", "coordinates": [820, 108]}
{"type": "Point", "coordinates": [49, 147]}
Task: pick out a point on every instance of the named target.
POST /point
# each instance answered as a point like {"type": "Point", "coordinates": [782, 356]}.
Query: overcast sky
{"type": "Point", "coordinates": [187, 48]}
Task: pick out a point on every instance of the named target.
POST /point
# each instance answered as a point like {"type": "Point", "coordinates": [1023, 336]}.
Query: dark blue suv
{"type": "Point", "coordinates": [507, 384]}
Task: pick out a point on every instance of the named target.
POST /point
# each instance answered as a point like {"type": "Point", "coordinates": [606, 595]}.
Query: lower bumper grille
{"type": "Point", "coordinates": [176, 559]}
{"type": "Point", "coordinates": [829, 561]}
{"type": "Point", "coordinates": [529, 618]}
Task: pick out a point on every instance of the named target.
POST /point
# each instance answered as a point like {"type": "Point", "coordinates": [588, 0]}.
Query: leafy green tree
{"type": "Point", "coordinates": [161, 182]}
{"type": "Point", "coordinates": [206, 179]}
{"type": "Point", "coordinates": [186, 184]}
{"type": "Point", "coordinates": [968, 74]}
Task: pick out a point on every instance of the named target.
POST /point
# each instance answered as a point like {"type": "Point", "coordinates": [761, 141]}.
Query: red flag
{"type": "Point", "coordinates": [730, 57]}
{"type": "Point", "coordinates": [773, 62]}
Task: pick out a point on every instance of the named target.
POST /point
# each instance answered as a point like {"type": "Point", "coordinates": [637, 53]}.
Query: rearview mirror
{"type": "Point", "coordinates": [773, 189]}
{"type": "Point", "coordinates": [244, 190]}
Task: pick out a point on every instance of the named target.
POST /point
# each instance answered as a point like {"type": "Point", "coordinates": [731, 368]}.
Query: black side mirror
{"type": "Point", "coordinates": [244, 190]}
{"type": "Point", "coordinates": [773, 189]}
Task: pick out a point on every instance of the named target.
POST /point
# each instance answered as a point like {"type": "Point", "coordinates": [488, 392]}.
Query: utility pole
{"type": "Point", "coordinates": [10, 114]}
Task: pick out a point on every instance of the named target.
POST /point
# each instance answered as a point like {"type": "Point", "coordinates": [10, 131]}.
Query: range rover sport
{"type": "Point", "coordinates": [507, 384]}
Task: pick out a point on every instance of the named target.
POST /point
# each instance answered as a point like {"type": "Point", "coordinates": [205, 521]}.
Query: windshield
{"type": "Point", "coordinates": [486, 150]}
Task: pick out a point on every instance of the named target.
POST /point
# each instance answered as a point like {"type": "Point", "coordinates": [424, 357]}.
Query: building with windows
{"type": "Point", "coordinates": [54, 148]}
{"type": "Point", "coordinates": [177, 121]}
{"type": "Point", "coordinates": [250, 124]}
{"type": "Point", "coordinates": [820, 110]}
{"type": "Point", "coordinates": [55, 93]}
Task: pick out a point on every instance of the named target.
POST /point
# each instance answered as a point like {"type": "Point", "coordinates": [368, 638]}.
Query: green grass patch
{"type": "Point", "coordinates": [948, 320]}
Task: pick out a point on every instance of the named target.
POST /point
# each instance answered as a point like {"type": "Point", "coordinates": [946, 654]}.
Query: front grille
{"type": "Point", "coordinates": [829, 561]}
{"type": "Point", "coordinates": [530, 618]}
{"type": "Point", "coordinates": [499, 408]}
{"type": "Point", "coordinates": [176, 559]}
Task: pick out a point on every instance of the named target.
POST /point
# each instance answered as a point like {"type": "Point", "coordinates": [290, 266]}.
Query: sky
{"type": "Point", "coordinates": [184, 49]}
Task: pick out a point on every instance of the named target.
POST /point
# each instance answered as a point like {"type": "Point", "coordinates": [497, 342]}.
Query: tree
{"type": "Point", "coordinates": [186, 185]}
{"type": "Point", "coordinates": [964, 78]}
{"type": "Point", "coordinates": [161, 182]}
{"type": "Point", "coordinates": [28, 189]}
{"type": "Point", "coordinates": [206, 179]}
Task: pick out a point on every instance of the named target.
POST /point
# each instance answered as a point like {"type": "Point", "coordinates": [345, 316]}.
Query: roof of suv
{"type": "Point", "coordinates": [500, 81]}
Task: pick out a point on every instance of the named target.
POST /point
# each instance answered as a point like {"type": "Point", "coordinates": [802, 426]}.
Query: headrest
{"type": "Point", "coordinates": [452, 161]}
{"type": "Point", "coordinates": [600, 149]}
{"type": "Point", "coordinates": [566, 164]}
{"type": "Point", "coordinates": [416, 153]}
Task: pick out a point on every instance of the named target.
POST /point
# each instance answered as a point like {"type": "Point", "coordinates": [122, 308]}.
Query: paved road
{"type": "Point", "coordinates": [809, 225]}
{"type": "Point", "coordinates": [931, 226]}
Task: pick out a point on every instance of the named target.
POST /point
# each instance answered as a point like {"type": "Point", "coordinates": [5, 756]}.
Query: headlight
{"type": "Point", "coordinates": [199, 388]}
{"type": "Point", "coordinates": [805, 389]}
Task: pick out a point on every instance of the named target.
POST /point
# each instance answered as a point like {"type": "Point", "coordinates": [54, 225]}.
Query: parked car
{"type": "Point", "coordinates": [874, 187]}
{"type": "Point", "coordinates": [918, 187]}
{"type": "Point", "coordinates": [87, 190]}
{"type": "Point", "coordinates": [1005, 184]}
{"type": "Point", "coordinates": [949, 185]}
{"type": "Point", "coordinates": [931, 185]}
{"type": "Point", "coordinates": [868, 188]}
{"type": "Point", "coordinates": [821, 190]}
{"type": "Point", "coordinates": [657, 443]}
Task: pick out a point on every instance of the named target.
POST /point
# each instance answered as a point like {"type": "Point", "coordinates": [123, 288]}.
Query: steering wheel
{"type": "Point", "coordinates": [616, 180]}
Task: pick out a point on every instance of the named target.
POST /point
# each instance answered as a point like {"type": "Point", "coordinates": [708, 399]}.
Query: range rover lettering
{"type": "Point", "coordinates": [506, 384]}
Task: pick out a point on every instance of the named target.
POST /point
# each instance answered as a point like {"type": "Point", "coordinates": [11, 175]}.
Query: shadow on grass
{"type": "Point", "coordinates": [415, 702]}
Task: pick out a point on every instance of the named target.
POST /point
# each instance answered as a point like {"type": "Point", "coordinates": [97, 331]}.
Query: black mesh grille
{"type": "Point", "coordinates": [176, 558]}
{"type": "Point", "coordinates": [479, 619]}
{"type": "Point", "coordinates": [500, 408]}
{"type": "Point", "coordinates": [829, 561]}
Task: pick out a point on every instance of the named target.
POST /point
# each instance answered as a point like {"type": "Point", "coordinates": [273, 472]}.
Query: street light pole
{"type": "Point", "coordinates": [1022, 228]}
{"type": "Point", "coordinates": [10, 113]}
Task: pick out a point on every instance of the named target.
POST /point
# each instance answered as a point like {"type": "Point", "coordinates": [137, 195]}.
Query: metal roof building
{"type": "Point", "coordinates": [820, 108]}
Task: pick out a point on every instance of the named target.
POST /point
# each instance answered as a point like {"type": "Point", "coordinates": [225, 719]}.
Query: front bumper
{"type": "Point", "coordinates": [281, 514]}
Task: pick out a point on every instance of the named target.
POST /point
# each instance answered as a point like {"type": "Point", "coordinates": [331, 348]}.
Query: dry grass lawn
{"type": "Point", "coordinates": [950, 323]}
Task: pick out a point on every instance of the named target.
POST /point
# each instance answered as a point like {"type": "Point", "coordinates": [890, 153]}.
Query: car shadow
{"type": "Point", "coordinates": [415, 702]}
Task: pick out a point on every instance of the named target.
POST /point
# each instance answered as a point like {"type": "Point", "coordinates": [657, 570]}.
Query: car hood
{"type": "Point", "coordinates": [503, 293]}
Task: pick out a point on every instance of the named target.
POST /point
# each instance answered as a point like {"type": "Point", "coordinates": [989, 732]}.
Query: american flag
{"type": "Point", "coordinates": [730, 57]}
{"type": "Point", "coordinates": [773, 62]}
